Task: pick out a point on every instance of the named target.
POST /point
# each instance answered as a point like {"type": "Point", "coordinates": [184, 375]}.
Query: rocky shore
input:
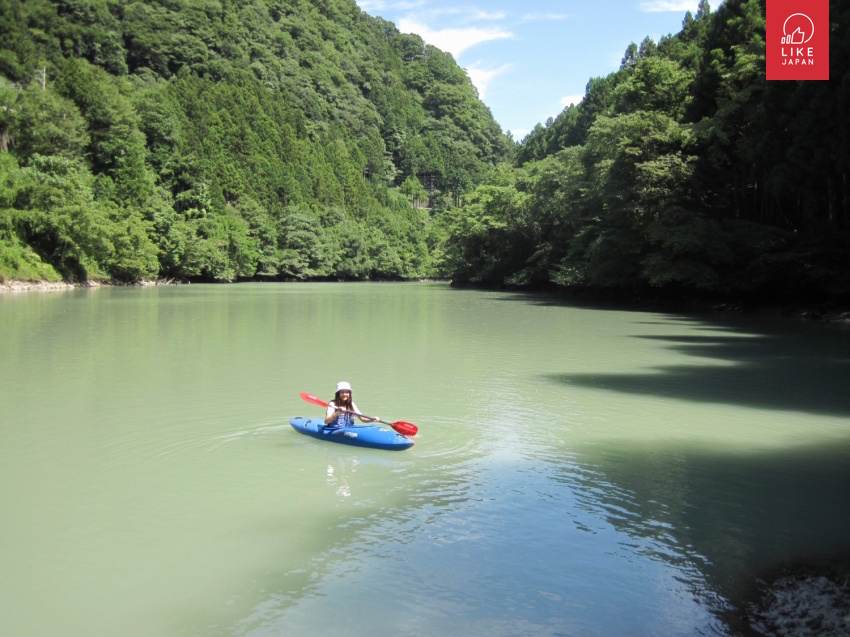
{"type": "Point", "coordinates": [800, 601]}
{"type": "Point", "coordinates": [25, 286]}
{"type": "Point", "coordinates": [46, 286]}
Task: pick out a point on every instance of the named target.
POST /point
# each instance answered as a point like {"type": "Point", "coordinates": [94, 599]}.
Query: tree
{"type": "Point", "coordinates": [42, 122]}
{"type": "Point", "coordinates": [630, 58]}
{"type": "Point", "coordinates": [415, 192]}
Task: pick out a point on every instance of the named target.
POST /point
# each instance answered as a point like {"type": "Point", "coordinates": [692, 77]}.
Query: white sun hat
{"type": "Point", "coordinates": [342, 385]}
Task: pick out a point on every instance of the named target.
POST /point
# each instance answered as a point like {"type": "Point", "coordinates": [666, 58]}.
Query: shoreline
{"type": "Point", "coordinates": [826, 311]}
{"type": "Point", "coordinates": [59, 286]}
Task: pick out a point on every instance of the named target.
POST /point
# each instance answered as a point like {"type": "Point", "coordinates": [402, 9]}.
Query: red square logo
{"type": "Point", "coordinates": [797, 39]}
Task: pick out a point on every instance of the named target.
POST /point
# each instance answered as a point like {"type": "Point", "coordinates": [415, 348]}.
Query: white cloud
{"type": "Point", "coordinates": [482, 77]}
{"type": "Point", "coordinates": [519, 134]}
{"type": "Point", "coordinates": [658, 6]}
{"type": "Point", "coordinates": [465, 14]}
{"type": "Point", "coordinates": [532, 17]}
{"type": "Point", "coordinates": [488, 15]}
{"type": "Point", "coordinates": [455, 41]}
{"type": "Point", "coordinates": [372, 6]}
{"type": "Point", "coordinates": [571, 99]}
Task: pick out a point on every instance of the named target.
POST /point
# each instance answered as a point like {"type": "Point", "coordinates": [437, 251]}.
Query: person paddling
{"type": "Point", "coordinates": [342, 409]}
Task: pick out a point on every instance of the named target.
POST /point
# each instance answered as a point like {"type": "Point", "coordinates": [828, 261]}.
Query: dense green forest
{"type": "Point", "coordinates": [683, 172]}
{"type": "Point", "coordinates": [219, 140]}
{"type": "Point", "coordinates": [292, 139]}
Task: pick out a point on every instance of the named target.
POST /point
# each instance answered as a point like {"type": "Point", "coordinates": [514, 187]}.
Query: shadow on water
{"type": "Point", "coordinates": [734, 516]}
{"type": "Point", "coordinates": [767, 371]}
{"type": "Point", "coordinates": [723, 520]}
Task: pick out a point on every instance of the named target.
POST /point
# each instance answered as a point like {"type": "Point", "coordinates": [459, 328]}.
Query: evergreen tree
{"type": "Point", "coordinates": [221, 135]}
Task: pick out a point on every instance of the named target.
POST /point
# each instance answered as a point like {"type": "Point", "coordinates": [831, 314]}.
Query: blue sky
{"type": "Point", "coordinates": [531, 58]}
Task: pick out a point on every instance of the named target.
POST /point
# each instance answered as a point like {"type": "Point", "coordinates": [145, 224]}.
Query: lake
{"type": "Point", "coordinates": [579, 470]}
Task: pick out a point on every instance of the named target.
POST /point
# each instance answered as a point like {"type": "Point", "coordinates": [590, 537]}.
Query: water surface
{"type": "Point", "coordinates": [579, 470]}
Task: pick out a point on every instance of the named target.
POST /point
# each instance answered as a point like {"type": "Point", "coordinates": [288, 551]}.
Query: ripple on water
{"type": "Point", "coordinates": [447, 438]}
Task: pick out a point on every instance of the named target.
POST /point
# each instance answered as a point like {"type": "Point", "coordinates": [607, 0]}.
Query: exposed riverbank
{"type": "Point", "coordinates": [49, 286]}
{"type": "Point", "coordinates": [39, 286]}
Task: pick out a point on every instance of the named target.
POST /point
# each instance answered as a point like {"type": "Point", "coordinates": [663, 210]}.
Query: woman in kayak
{"type": "Point", "coordinates": [341, 410]}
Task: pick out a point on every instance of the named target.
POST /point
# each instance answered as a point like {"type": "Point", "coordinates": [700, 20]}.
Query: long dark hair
{"type": "Point", "coordinates": [348, 405]}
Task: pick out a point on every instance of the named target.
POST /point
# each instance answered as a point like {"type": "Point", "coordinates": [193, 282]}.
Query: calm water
{"type": "Point", "coordinates": [578, 471]}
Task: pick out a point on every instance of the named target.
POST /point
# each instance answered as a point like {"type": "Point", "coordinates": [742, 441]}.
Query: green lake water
{"type": "Point", "coordinates": [579, 470]}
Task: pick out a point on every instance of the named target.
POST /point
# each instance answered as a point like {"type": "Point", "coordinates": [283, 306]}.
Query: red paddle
{"type": "Point", "coordinates": [404, 428]}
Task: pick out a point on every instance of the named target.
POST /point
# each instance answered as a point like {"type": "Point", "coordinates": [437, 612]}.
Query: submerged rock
{"type": "Point", "coordinates": [803, 604]}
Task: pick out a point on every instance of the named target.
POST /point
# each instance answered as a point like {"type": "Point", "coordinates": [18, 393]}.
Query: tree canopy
{"type": "Point", "coordinates": [226, 139]}
{"type": "Point", "coordinates": [293, 139]}
{"type": "Point", "coordinates": [684, 170]}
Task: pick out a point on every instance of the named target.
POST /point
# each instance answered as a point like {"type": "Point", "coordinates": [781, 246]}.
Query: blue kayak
{"type": "Point", "coordinates": [357, 435]}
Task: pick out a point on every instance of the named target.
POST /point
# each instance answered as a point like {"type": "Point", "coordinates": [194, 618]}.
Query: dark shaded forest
{"type": "Point", "coordinates": [224, 140]}
{"type": "Point", "coordinates": [684, 172]}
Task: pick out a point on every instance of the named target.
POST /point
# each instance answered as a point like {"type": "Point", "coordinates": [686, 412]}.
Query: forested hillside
{"type": "Point", "coordinates": [227, 139]}
{"type": "Point", "coordinates": [684, 171]}
{"type": "Point", "coordinates": [291, 139]}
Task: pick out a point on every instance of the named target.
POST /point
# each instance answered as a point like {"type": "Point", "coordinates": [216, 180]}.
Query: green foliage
{"type": "Point", "coordinates": [52, 211]}
{"type": "Point", "coordinates": [290, 139]}
{"type": "Point", "coordinates": [492, 236]}
{"type": "Point", "coordinates": [654, 84]}
{"type": "Point", "coordinates": [18, 51]}
{"type": "Point", "coordinates": [42, 122]}
{"type": "Point", "coordinates": [689, 250]}
{"type": "Point", "coordinates": [413, 189]}
{"type": "Point", "coordinates": [228, 140]}
{"type": "Point", "coordinates": [683, 170]}
{"type": "Point", "coordinates": [18, 261]}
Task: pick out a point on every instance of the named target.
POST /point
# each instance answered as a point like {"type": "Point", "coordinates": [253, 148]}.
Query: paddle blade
{"type": "Point", "coordinates": [310, 398]}
{"type": "Point", "coordinates": [405, 428]}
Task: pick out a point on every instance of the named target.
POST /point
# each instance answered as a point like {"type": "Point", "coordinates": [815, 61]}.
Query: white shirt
{"type": "Point", "coordinates": [332, 408]}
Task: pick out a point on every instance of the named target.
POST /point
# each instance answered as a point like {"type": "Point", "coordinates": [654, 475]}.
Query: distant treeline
{"type": "Point", "coordinates": [684, 171]}
{"type": "Point", "coordinates": [229, 139]}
